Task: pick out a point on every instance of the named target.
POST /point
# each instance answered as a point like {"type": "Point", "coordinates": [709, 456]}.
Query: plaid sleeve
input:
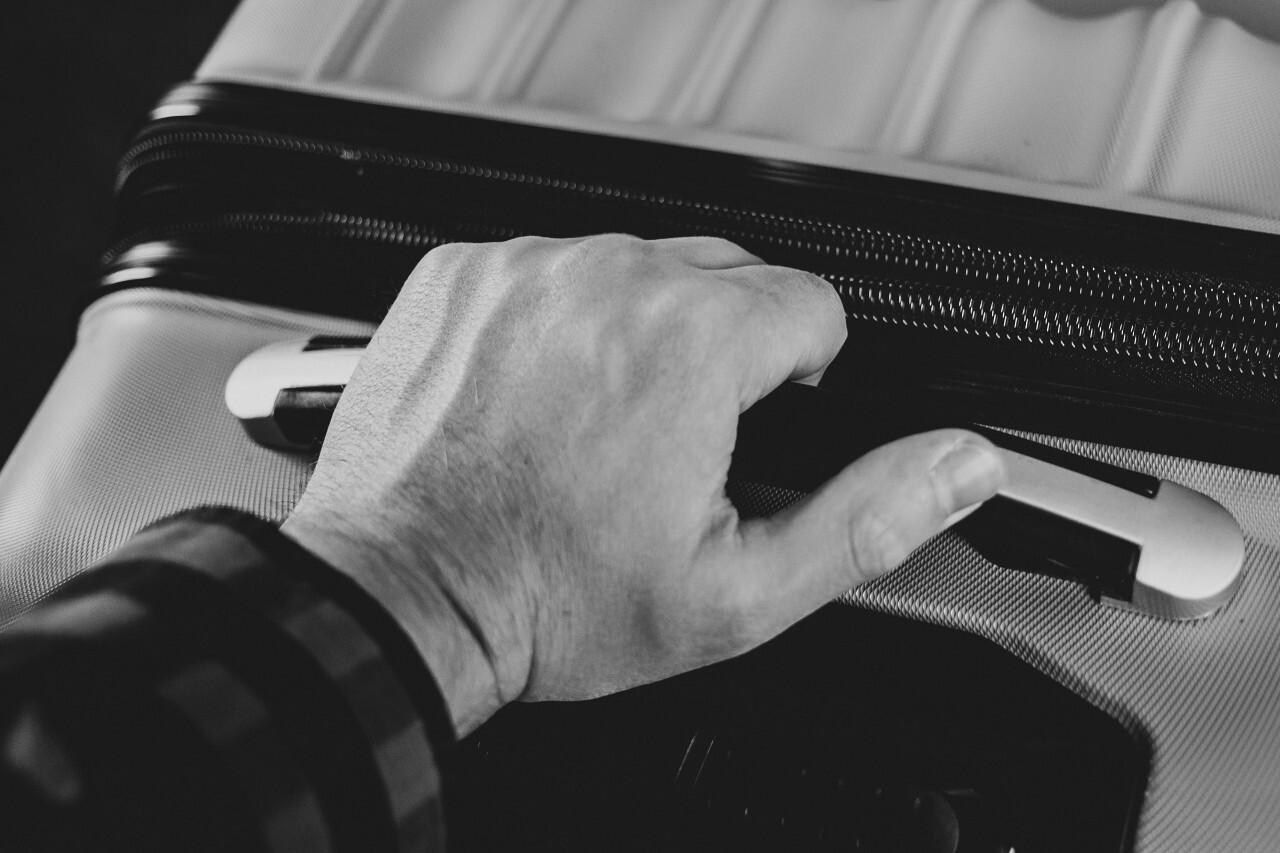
{"type": "Point", "coordinates": [214, 686]}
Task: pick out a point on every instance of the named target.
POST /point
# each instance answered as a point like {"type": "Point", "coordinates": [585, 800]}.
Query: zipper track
{"type": "Point", "coordinates": [955, 287]}
{"type": "Point", "coordinates": [1050, 276]}
{"type": "Point", "coordinates": [371, 229]}
{"type": "Point", "coordinates": [906, 304]}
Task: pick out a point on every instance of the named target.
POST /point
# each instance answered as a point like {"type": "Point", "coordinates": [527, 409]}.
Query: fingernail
{"type": "Point", "coordinates": [969, 473]}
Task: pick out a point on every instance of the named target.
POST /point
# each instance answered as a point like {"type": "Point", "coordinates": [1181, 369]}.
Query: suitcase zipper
{"type": "Point", "coordinates": [1004, 294]}
{"type": "Point", "coordinates": [1225, 330]}
{"type": "Point", "coordinates": [330, 224]}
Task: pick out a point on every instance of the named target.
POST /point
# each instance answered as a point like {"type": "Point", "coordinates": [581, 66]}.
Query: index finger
{"type": "Point", "coordinates": [793, 326]}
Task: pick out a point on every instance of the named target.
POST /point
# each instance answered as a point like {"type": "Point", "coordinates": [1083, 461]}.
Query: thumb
{"type": "Point", "coordinates": [860, 524]}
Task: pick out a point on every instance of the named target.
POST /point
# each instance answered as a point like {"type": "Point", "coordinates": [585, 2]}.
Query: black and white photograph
{"type": "Point", "coordinates": [641, 425]}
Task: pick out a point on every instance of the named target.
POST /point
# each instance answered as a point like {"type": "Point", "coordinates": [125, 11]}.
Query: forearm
{"type": "Point", "coordinates": [214, 686]}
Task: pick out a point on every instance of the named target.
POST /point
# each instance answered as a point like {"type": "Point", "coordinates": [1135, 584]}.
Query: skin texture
{"type": "Point", "coordinates": [528, 467]}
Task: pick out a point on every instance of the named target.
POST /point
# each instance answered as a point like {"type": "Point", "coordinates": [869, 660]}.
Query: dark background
{"type": "Point", "coordinates": [78, 76]}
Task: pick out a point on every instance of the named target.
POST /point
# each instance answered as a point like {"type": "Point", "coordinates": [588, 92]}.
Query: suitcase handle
{"type": "Point", "coordinates": [1136, 541]}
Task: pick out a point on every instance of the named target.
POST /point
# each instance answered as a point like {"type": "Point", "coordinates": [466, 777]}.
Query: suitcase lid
{"type": "Point", "coordinates": [1162, 110]}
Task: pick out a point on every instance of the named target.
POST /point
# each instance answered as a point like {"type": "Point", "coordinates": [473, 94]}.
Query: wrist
{"type": "Point", "coordinates": [444, 634]}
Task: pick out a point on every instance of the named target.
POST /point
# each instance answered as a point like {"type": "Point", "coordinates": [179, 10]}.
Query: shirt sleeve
{"type": "Point", "coordinates": [214, 686]}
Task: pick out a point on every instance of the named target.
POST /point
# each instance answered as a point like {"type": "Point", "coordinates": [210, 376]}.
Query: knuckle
{"type": "Point", "coordinates": [612, 246]}
{"type": "Point", "coordinates": [603, 257]}
{"type": "Point", "coordinates": [721, 244]}
{"type": "Point", "coordinates": [616, 239]}
{"type": "Point", "coordinates": [685, 310]}
{"type": "Point", "coordinates": [803, 296]}
{"type": "Point", "coordinates": [831, 303]}
{"type": "Point", "coordinates": [520, 247]}
{"type": "Point", "coordinates": [827, 300]}
{"type": "Point", "coordinates": [519, 257]}
{"type": "Point", "coordinates": [447, 256]}
{"type": "Point", "coordinates": [442, 264]}
{"type": "Point", "coordinates": [806, 284]}
{"type": "Point", "coordinates": [452, 260]}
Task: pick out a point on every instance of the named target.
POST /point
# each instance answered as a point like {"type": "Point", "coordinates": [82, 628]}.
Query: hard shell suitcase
{"type": "Point", "coordinates": [1095, 272]}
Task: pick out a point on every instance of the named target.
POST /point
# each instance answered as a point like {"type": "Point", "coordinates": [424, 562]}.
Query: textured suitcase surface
{"type": "Point", "coordinates": [135, 428]}
{"type": "Point", "coordinates": [1204, 695]}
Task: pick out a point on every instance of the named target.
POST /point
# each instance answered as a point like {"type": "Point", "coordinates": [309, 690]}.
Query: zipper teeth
{"type": "Point", "coordinates": [137, 154]}
{"type": "Point", "coordinates": [905, 304]}
{"type": "Point", "coordinates": [329, 223]}
{"type": "Point", "coordinates": [849, 242]}
{"type": "Point", "coordinates": [1172, 339]}
{"type": "Point", "coordinates": [357, 226]}
{"type": "Point", "coordinates": [1048, 277]}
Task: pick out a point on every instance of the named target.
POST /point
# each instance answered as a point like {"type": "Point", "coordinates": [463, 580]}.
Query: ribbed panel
{"type": "Point", "coordinates": [1135, 106]}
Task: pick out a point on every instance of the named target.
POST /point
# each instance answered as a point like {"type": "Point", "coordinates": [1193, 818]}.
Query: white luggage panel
{"type": "Point", "coordinates": [1166, 110]}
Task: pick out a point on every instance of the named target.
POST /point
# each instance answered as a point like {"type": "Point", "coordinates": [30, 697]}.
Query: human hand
{"type": "Point", "coordinates": [528, 466]}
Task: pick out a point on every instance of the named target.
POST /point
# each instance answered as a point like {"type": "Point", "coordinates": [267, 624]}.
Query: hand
{"type": "Point", "coordinates": [528, 466]}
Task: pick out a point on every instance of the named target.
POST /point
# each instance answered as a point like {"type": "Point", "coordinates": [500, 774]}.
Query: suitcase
{"type": "Point", "coordinates": [1060, 227]}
